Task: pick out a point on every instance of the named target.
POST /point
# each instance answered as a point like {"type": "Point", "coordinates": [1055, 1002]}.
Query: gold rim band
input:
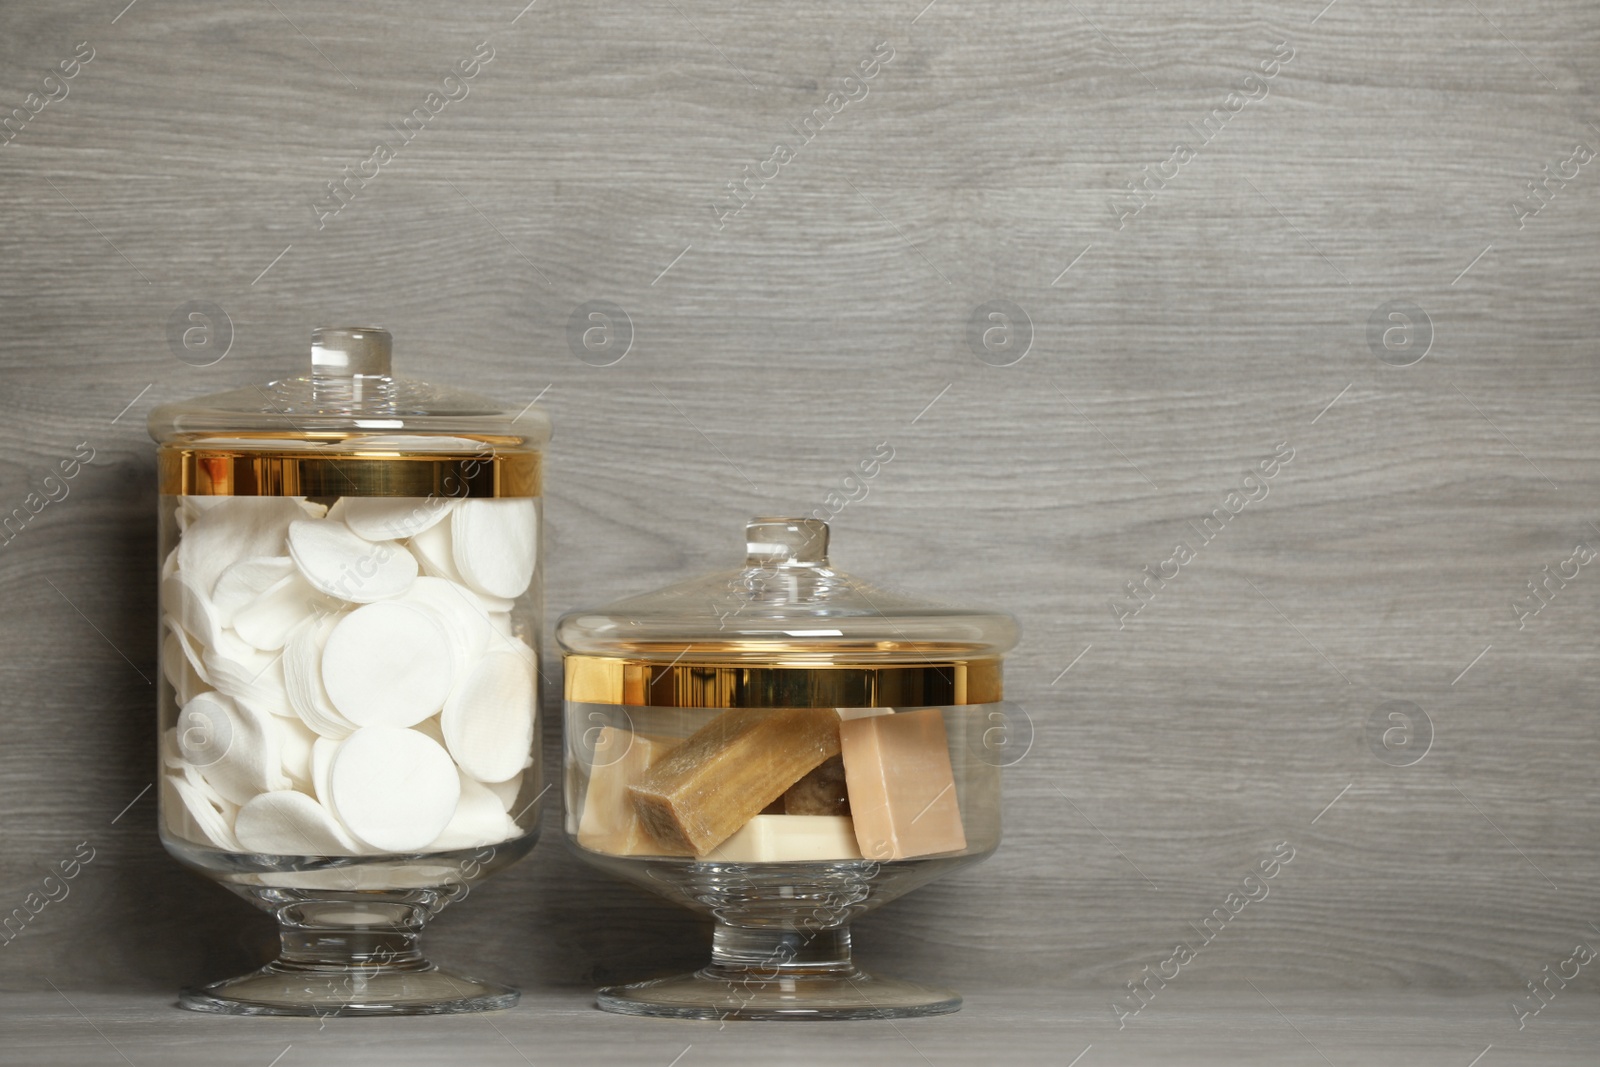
{"type": "Point", "coordinates": [603, 680]}
{"type": "Point", "coordinates": [189, 471]}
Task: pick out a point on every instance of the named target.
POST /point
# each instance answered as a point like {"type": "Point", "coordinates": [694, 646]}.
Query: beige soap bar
{"type": "Point", "coordinates": [705, 789]}
{"type": "Point", "coordinates": [902, 791]}
{"type": "Point", "coordinates": [776, 838]}
{"type": "Point", "coordinates": [609, 823]}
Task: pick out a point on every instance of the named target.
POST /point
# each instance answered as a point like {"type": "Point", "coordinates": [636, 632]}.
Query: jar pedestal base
{"type": "Point", "coordinates": [773, 973]}
{"type": "Point", "coordinates": [279, 990]}
{"type": "Point", "coordinates": [703, 995]}
{"type": "Point", "coordinates": [355, 955]}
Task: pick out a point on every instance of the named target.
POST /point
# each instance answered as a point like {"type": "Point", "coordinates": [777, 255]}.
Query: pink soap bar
{"type": "Point", "coordinates": [902, 790]}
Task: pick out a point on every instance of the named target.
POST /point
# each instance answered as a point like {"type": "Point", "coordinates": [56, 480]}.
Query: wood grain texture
{"type": "Point", "coordinates": [1004, 1025]}
{"type": "Point", "coordinates": [1228, 315]}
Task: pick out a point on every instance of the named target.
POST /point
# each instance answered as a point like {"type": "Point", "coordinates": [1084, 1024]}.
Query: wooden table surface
{"type": "Point", "coordinates": [1003, 1025]}
{"type": "Point", "coordinates": [1161, 345]}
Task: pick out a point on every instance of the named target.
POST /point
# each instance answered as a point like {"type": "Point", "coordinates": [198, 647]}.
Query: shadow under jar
{"type": "Point", "coordinates": [781, 747]}
{"type": "Point", "coordinates": [350, 624]}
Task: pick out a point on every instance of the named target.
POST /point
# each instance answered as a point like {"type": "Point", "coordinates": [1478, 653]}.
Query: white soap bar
{"type": "Point", "coordinates": [479, 820]}
{"type": "Point", "coordinates": [343, 565]}
{"type": "Point", "coordinates": [246, 580]}
{"type": "Point", "coordinates": [229, 529]}
{"type": "Point", "coordinates": [488, 720]}
{"type": "Point", "coordinates": [192, 817]}
{"type": "Point", "coordinates": [784, 838]}
{"type": "Point", "coordinates": [379, 518]}
{"type": "Point", "coordinates": [238, 750]}
{"type": "Point", "coordinates": [393, 789]}
{"type": "Point", "coordinates": [388, 664]}
{"type": "Point", "coordinates": [302, 676]}
{"type": "Point", "coordinates": [286, 823]}
{"type": "Point", "coordinates": [493, 544]}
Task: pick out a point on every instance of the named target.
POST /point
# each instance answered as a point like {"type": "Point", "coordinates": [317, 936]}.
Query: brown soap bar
{"type": "Point", "coordinates": [902, 790]}
{"type": "Point", "coordinates": [609, 823]}
{"type": "Point", "coordinates": [822, 792]}
{"type": "Point", "coordinates": [728, 771]}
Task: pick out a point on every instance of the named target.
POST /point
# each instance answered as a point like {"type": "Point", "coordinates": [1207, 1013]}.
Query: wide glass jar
{"type": "Point", "coordinates": [350, 601]}
{"type": "Point", "coordinates": [782, 747]}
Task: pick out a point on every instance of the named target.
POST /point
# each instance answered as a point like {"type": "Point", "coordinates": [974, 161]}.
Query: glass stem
{"type": "Point", "coordinates": [355, 937]}
{"type": "Point", "coordinates": [766, 953]}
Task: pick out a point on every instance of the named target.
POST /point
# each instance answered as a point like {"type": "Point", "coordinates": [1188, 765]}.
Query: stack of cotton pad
{"type": "Point", "coordinates": [348, 676]}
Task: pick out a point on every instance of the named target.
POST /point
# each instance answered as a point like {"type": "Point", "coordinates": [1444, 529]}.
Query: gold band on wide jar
{"type": "Point", "coordinates": [196, 469]}
{"type": "Point", "coordinates": [637, 683]}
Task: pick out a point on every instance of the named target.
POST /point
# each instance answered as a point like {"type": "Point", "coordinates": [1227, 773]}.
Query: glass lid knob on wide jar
{"type": "Point", "coordinates": [783, 747]}
{"type": "Point", "coordinates": [350, 594]}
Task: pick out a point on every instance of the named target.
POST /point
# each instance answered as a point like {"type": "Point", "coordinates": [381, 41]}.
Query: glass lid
{"type": "Point", "coordinates": [351, 399]}
{"type": "Point", "coordinates": [785, 605]}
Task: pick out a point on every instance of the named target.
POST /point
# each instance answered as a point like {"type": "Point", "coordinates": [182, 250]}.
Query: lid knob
{"type": "Point", "coordinates": [773, 540]}
{"type": "Point", "coordinates": [350, 351]}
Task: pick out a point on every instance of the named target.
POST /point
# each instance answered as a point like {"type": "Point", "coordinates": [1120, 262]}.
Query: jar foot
{"type": "Point", "coordinates": [760, 973]}
{"type": "Point", "coordinates": [343, 957]}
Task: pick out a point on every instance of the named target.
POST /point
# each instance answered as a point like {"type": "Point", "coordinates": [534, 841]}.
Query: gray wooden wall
{"type": "Point", "coordinates": [1163, 360]}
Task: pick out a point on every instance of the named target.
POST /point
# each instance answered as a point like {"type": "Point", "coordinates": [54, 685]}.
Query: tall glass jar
{"type": "Point", "coordinates": [350, 600]}
{"type": "Point", "coordinates": [782, 747]}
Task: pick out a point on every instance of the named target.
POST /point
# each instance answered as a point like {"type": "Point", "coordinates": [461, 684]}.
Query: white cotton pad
{"type": "Point", "coordinates": [237, 750]}
{"type": "Point", "coordinates": [181, 599]}
{"type": "Point", "coordinates": [343, 565]}
{"type": "Point", "coordinates": [295, 741]}
{"type": "Point", "coordinates": [488, 720]}
{"type": "Point", "coordinates": [322, 750]}
{"type": "Point", "coordinates": [431, 729]}
{"type": "Point", "coordinates": [435, 553]}
{"type": "Point", "coordinates": [506, 792]}
{"type": "Point", "coordinates": [460, 612]}
{"type": "Point", "coordinates": [190, 653]}
{"type": "Point", "coordinates": [239, 585]}
{"type": "Point", "coordinates": [185, 680]}
{"type": "Point", "coordinates": [233, 529]}
{"type": "Point", "coordinates": [302, 676]}
{"type": "Point", "coordinates": [197, 779]}
{"type": "Point", "coordinates": [493, 544]}
{"type": "Point", "coordinates": [267, 621]}
{"type": "Point", "coordinates": [286, 823]}
{"type": "Point", "coordinates": [192, 817]}
{"type": "Point", "coordinates": [395, 790]}
{"type": "Point", "coordinates": [251, 677]}
{"type": "Point", "coordinates": [169, 566]}
{"type": "Point", "coordinates": [479, 820]}
{"type": "Point", "coordinates": [388, 664]}
{"type": "Point", "coordinates": [378, 518]}
{"type": "Point", "coordinates": [171, 757]}
{"type": "Point", "coordinates": [311, 507]}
